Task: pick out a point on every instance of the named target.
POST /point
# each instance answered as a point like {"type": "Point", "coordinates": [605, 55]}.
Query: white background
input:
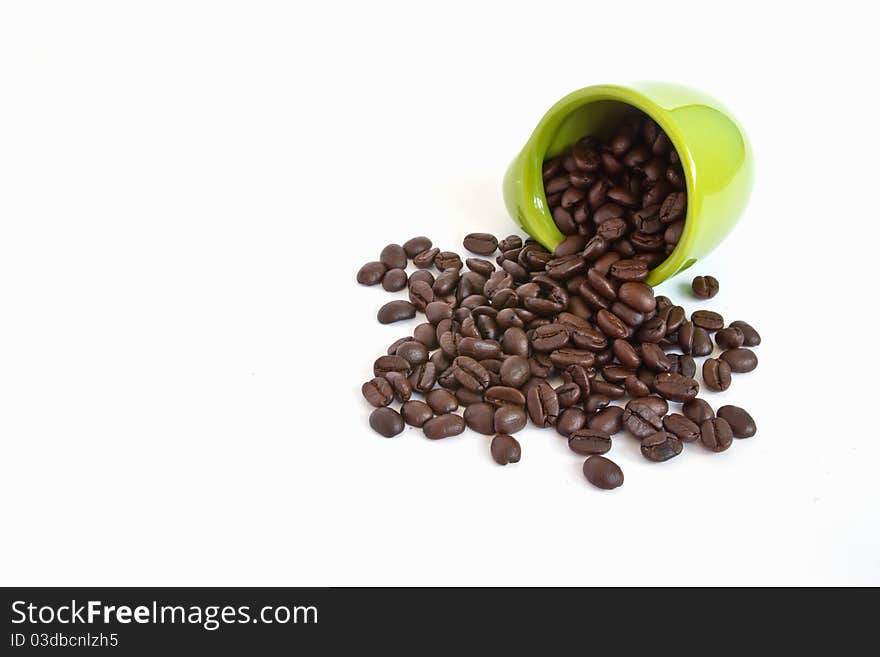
{"type": "Point", "coordinates": [187, 190]}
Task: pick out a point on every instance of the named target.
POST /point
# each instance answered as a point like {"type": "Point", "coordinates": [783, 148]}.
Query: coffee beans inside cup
{"type": "Point", "coordinates": [572, 340]}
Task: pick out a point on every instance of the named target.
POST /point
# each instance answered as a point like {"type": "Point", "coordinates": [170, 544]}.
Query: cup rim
{"type": "Point", "coordinates": [533, 183]}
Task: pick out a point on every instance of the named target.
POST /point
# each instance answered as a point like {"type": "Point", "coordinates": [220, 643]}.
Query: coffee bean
{"type": "Point", "coordinates": [509, 419]}
{"type": "Point", "coordinates": [393, 256]}
{"type": "Point", "coordinates": [394, 280]}
{"type": "Point", "coordinates": [673, 207]}
{"type": "Point", "coordinates": [481, 418]}
{"type": "Point", "coordinates": [567, 356]}
{"type": "Point", "coordinates": [640, 420]}
{"type": "Point", "coordinates": [510, 242]}
{"type": "Point", "coordinates": [416, 245]}
{"type": "Point", "coordinates": [482, 267]}
{"type": "Point", "coordinates": [395, 311]}
{"type": "Point", "coordinates": [626, 353]}
{"type": "Point", "coordinates": [400, 384]}
{"type": "Point", "coordinates": [681, 427]}
{"type": "Point", "coordinates": [441, 401]}
{"type": "Point", "coordinates": [415, 413]}
{"type": "Point", "coordinates": [386, 422]}
{"type": "Point", "coordinates": [676, 387]}
{"type": "Point", "coordinates": [611, 325]}
{"type": "Point", "coordinates": [423, 377]}
{"type": "Point", "coordinates": [702, 342]}
{"type": "Point", "coordinates": [505, 449]}
{"type": "Point", "coordinates": [384, 364]}
{"type": "Point", "coordinates": [635, 387]}
{"type": "Point", "coordinates": [629, 316]}
{"type": "Point", "coordinates": [443, 426]}
{"type": "Point", "coordinates": [481, 243]}
{"type": "Point", "coordinates": [741, 423]}
{"type": "Point", "coordinates": [609, 420]}
{"type": "Point", "coordinates": [550, 337]}
{"type": "Point", "coordinates": [426, 258]}
{"type": "Point", "coordinates": [568, 394]}
{"type": "Point", "coordinates": [422, 275]}
{"type": "Point", "coordinates": [707, 319]}
{"type": "Point", "coordinates": [469, 373]}
{"type": "Point", "coordinates": [654, 402]}
{"type": "Point", "coordinates": [661, 446]}
{"type": "Point", "coordinates": [638, 296]}
{"type": "Point", "coordinates": [704, 287]}
{"type": "Point", "coordinates": [629, 270]}
{"type": "Point", "coordinates": [378, 392]}
{"type": "Point", "coordinates": [589, 441]}
{"type": "Point", "coordinates": [392, 349]}
{"type": "Point", "coordinates": [414, 352]}
{"type": "Point", "coordinates": [502, 395]}
{"type": "Point", "coordinates": [750, 335]}
{"type": "Point", "coordinates": [716, 434]}
{"type": "Point", "coordinates": [698, 411]}
{"type": "Point", "coordinates": [716, 374]}
{"type": "Point", "coordinates": [603, 473]}
{"type": "Point", "coordinates": [570, 420]}
{"type": "Point", "coordinates": [542, 404]}
{"type": "Point", "coordinates": [371, 273]}
{"type": "Point", "coordinates": [740, 360]}
{"type": "Point", "coordinates": [446, 260]}
{"type": "Point", "coordinates": [654, 357]}
{"type": "Point", "coordinates": [730, 338]}
{"type": "Point", "coordinates": [653, 330]}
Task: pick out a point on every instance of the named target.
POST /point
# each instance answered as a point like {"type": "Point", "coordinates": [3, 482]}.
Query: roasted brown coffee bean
{"type": "Point", "coordinates": [422, 275]}
{"type": "Point", "coordinates": [371, 273]}
{"type": "Point", "coordinates": [638, 296]}
{"type": "Point", "coordinates": [441, 401]}
{"type": "Point", "coordinates": [393, 256]}
{"type": "Point", "coordinates": [416, 245]}
{"type": "Point", "coordinates": [674, 317]}
{"type": "Point", "coordinates": [740, 359]}
{"type": "Point", "coordinates": [479, 349]}
{"type": "Point", "coordinates": [423, 377]}
{"type": "Point", "coordinates": [661, 446]}
{"type": "Point", "coordinates": [449, 343]}
{"type": "Point", "coordinates": [683, 428]}
{"type": "Point", "coordinates": [608, 420]}
{"type": "Point", "coordinates": [570, 420]}
{"type": "Point", "coordinates": [414, 352]}
{"type": "Point", "coordinates": [716, 374]}
{"type": "Point", "coordinates": [542, 404]}
{"type": "Point", "coordinates": [612, 230]}
{"type": "Point", "coordinates": [556, 184]}
{"type": "Point", "coordinates": [378, 392]}
{"type": "Point", "coordinates": [611, 325]}
{"type": "Point", "coordinates": [654, 357]}
{"type": "Point", "coordinates": [707, 319]}
{"type": "Point", "coordinates": [550, 337]}
{"type": "Point", "coordinates": [595, 247]}
{"type": "Point", "coordinates": [566, 356]}
{"type": "Point", "coordinates": [509, 419]}
{"type": "Point", "coordinates": [629, 270]}
{"type": "Point", "coordinates": [626, 353]}
{"type": "Point", "coordinates": [386, 422]}
{"type": "Point", "coordinates": [657, 404]}
{"type": "Point", "coordinates": [653, 330]}
{"type": "Point", "coordinates": [698, 410]}
{"type": "Point", "coordinates": [565, 267]}
{"type": "Point", "coordinates": [673, 207]}
{"type": "Point", "coordinates": [437, 310]}
{"type": "Point", "coordinates": [716, 434]}
{"type": "Point", "coordinates": [568, 394]}
{"type": "Point", "coordinates": [686, 337]}
{"type": "Point", "coordinates": [394, 280]}
{"type": "Point", "coordinates": [481, 243]}
{"type": "Point", "coordinates": [444, 426]}
{"type": "Point", "coordinates": [741, 423]}
{"type": "Point", "coordinates": [672, 234]}
{"type": "Point", "coordinates": [515, 342]}
{"type": "Point", "coordinates": [704, 287]}
{"type": "Point", "coordinates": [702, 343]}
{"type": "Point", "coordinates": [641, 420]}
{"type": "Point", "coordinates": [505, 449]}
{"type": "Point", "coordinates": [593, 299]}
{"type": "Point", "coordinates": [602, 285]}
{"type": "Point", "coordinates": [682, 364]}
{"type": "Point", "coordinates": [589, 441]}
{"type": "Point", "coordinates": [395, 311]}
{"type": "Point", "coordinates": [482, 267]}
{"type": "Point", "coordinates": [481, 418]}
{"type": "Point", "coordinates": [445, 283]}
{"type": "Point", "coordinates": [515, 371]}
{"type": "Point", "coordinates": [750, 335]}
{"type": "Point", "coordinates": [635, 387]}
{"type": "Point", "coordinates": [730, 338]}
{"type": "Point", "coordinates": [384, 364]}
{"type": "Point", "coordinates": [469, 373]}
{"type": "Point", "coordinates": [564, 221]}
{"type": "Point", "coordinates": [540, 365]}
{"type": "Point", "coordinates": [467, 397]}
{"type": "Point", "coordinates": [510, 242]}
{"type": "Point", "coordinates": [617, 374]}
{"type": "Point", "coordinates": [504, 395]}
{"type": "Point", "coordinates": [446, 260]}
{"type": "Point", "coordinates": [607, 389]}
{"type": "Point", "coordinates": [629, 316]}
{"type": "Point", "coordinates": [392, 349]}
{"type": "Point", "coordinates": [415, 413]}
{"type": "Point", "coordinates": [676, 387]}
{"type": "Point", "coordinates": [603, 473]}
{"type": "Point", "coordinates": [400, 384]}
{"type": "Point", "coordinates": [647, 220]}
{"type": "Point", "coordinates": [571, 197]}
{"type": "Point", "coordinates": [426, 258]}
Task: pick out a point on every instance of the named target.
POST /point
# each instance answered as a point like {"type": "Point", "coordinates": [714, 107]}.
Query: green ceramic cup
{"type": "Point", "coordinates": [714, 151]}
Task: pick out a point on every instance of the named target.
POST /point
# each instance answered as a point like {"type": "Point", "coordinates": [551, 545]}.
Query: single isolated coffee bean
{"type": "Point", "coordinates": [394, 280]}
{"type": "Point", "coordinates": [740, 359]}
{"type": "Point", "coordinates": [443, 426]}
{"type": "Point", "coordinates": [730, 338]}
{"type": "Point", "coordinates": [481, 243]}
{"type": "Point", "coordinates": [441, 401]}
{"type": "Point", "coordinates": [510, 419]}
{"type": "Point", "coordinates": [415, 413]}
{"type": "Point", "coordinates": [661, 446]}
{"type": "Point", "coordinates": [705, 287]}
{"type": "Point", "coordinates": [608, 420]}
{"type": "Point", "coordinates": [505, 449]}
{"type": "Point", "coordinates": [393, 256]}
{"type": "Point", "coordinates": [416, 245]}
{"type": "Point", "coordinates": [371, 273]}
{"type": "Point", "coordinates": [395, 311]}
{"type": "Point", "coordinates": [480, 417]}
{"type": "Point", "coordinates": [386, 422]}
{"type": "Point", "coordinates": [741, 423]}
{"type": "Point", "coordinates": [716, 434]}
{"type": "Point", "coordinates": [716, 374]}
{"type": "Point", "coordinates": [603, 473]}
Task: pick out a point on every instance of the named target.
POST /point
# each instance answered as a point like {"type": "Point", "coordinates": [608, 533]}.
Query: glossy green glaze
{"type": "Point", "coordinates": [714, 151]}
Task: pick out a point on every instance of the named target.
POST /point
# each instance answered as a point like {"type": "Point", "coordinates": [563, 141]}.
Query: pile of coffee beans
{"type": "Point", "coordinates": [572, 340]}
{"type": "Point", "coordinates": [625, 194]}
